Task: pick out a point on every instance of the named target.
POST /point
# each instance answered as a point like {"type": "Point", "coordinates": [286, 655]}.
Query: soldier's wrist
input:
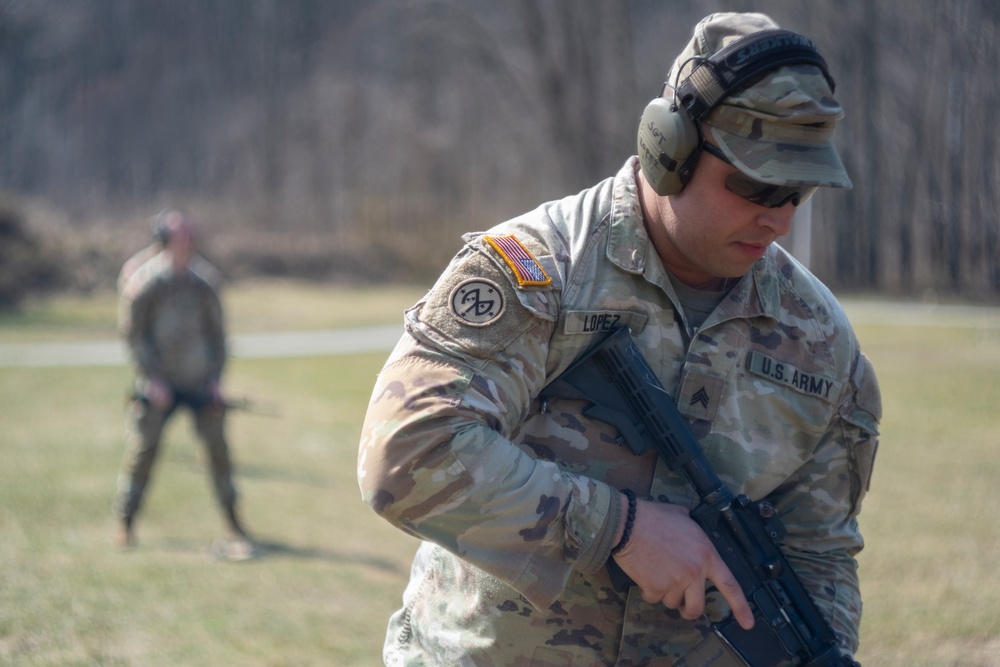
{"type": "Point", "coordinates": [626, 528]}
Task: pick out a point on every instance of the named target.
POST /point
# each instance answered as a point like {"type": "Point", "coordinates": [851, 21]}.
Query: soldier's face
{"type": "Point", "coordinates": [181, 245]}
{"type": "Point", "coordinates": [713, 233]}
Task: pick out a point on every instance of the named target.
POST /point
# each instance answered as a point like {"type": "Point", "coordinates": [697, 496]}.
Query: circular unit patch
{"type": "Point", "coordinates": [477, 302]}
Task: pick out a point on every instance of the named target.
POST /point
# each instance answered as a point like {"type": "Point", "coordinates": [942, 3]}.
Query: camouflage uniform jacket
{"type": "Point", "coordinates": [141, 267]}
{"type": "Point", "coordinates": [177, 330]}
{"type": "Point", "coordinates": [515, 501]}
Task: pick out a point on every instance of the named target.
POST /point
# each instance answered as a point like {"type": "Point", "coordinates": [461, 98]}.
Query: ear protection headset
{"type": "Point", "coordinates": [161, 227]}
{"type": "Point", "coordinates": [670, 139]}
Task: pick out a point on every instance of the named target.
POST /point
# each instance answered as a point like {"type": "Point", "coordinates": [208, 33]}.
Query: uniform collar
{"type": "Point", "coordinates": [757, 294]}
{"type": "Point", "coordinates": [771, 281]}
{"type": "Point", "coordinates": [628, 241]}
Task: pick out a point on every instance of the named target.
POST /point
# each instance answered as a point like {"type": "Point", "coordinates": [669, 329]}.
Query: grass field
{"type": "Point", "coordinates": [331, 572]}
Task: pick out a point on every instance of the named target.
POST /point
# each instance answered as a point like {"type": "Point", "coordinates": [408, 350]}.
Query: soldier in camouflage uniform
{"type": "Point", "coordinates": [176, 338]}
{"type": "Point", "coordinates": [519, 502]}
{"type": "Point", "coordinates": [128, 287]}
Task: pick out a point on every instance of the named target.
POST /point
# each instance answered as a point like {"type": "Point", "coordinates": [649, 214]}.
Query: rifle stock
{"type": "Point", "coordinates": [622, 390]}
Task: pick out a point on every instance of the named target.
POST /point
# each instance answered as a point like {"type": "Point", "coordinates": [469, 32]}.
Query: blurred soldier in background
{"type": "Point", "coordinates": [173, 324]}
{"type": "Point", "coordinates": [127, 287]}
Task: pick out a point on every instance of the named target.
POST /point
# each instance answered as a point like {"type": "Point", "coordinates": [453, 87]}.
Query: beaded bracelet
{"type": "Point", "coordinates": [628, 521]}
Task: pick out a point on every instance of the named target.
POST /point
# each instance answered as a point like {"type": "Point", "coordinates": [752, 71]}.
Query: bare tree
{"type": "Point", "coordinates": [388, 127]}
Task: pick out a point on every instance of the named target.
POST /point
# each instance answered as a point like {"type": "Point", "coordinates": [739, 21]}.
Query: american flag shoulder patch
{"type": "Point", "coordinates": [526, 268]}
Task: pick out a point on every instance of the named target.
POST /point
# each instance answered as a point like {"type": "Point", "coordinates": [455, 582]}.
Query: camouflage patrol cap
{"type": "Point", "coordinates": [779, 129]}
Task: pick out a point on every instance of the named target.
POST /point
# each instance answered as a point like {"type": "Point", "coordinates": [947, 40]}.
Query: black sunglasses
{"type": "Point", "coordinates": [762, 194]}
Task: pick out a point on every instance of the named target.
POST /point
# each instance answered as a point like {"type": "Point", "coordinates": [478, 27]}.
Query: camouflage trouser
{"type": "Point", "coordinates": [143, 441]}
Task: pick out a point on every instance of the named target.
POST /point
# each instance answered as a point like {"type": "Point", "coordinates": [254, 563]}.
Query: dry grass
{"type": "Point", "coordinates": [252, 306]}
{"type": "Point", "coordinates": [332, 572]}
{"type": "Point", "coordinates": [931, 594]}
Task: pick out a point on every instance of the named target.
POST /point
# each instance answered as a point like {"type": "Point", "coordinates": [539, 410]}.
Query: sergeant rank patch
{"type": "Point", "coordinates": [526, 268]}
{"type": "Point", "coordinates": [477, 302]}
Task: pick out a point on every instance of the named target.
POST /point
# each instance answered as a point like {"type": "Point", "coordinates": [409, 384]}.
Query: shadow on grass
{"type": "Point", "coordinates": [275, 474]}
{"type": "Point", "coordinates": [192, 460]}
{"type": "Point", "coordinates": [266, 549]}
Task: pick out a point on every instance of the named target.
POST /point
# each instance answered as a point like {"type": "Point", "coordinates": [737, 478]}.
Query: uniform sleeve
{"type": "Point", "coordinates": [139, 335]}
{"type": "Point", "coordinates": [823, 500]}
{"type": "Point", "coordinates": [130, 280]}
{"type": "Point", "coordinates": [215, 332]}
{"type": "Point", "coordinates": [435, 457]}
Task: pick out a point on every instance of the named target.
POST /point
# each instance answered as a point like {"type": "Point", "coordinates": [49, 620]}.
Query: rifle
{"type": "Point", "coordinates": [194, 401]}
{"type": "Point", "coordinates": [249, 405]}
{"type": "Point", "coordinates": [622, 390]}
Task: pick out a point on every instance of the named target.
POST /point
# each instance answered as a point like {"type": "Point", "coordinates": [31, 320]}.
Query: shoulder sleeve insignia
{"type": "Point", "coordinates": [526, 268]}
{"type": "Point", "coordinates": [477, 302]}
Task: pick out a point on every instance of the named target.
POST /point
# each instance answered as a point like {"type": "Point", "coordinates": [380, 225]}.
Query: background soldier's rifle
{"type": "Point", "coordinates": [242, 404]}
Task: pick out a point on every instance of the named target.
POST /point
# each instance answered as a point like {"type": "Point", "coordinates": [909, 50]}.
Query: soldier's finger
{"type": "Point", "coordinates": [673, 599]}
{"type": "Point", "coordinates": [731, 591]}
{"type": "Point", "coordinates": [649, 596]}
{"type": "Point", "coordinates": [692, 605]}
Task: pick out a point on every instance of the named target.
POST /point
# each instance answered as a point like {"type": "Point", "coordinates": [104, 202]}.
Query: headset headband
{"type": "Point", "coordinates": [714, 79]}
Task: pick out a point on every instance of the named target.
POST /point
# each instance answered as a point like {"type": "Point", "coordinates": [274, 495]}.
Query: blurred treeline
{"type": "Point", "coordinates": [357, 139]}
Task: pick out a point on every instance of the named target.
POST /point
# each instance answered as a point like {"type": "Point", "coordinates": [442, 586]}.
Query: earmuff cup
{"type": "Point", "coordinates": [668, 145]}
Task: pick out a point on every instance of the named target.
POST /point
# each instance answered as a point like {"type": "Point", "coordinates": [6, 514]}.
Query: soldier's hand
{"type": "Point", "coordinates": [215, 395]}
{"type": "Point", "coordinates": [669, 557]}
{"type": "Point", "coordinates": [159, 394]}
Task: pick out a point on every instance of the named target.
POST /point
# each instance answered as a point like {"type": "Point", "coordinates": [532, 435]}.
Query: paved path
{"type": "Point", "coordinates": [383, 338]}
{"type": "Point", "coordinates": [247, 346]}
